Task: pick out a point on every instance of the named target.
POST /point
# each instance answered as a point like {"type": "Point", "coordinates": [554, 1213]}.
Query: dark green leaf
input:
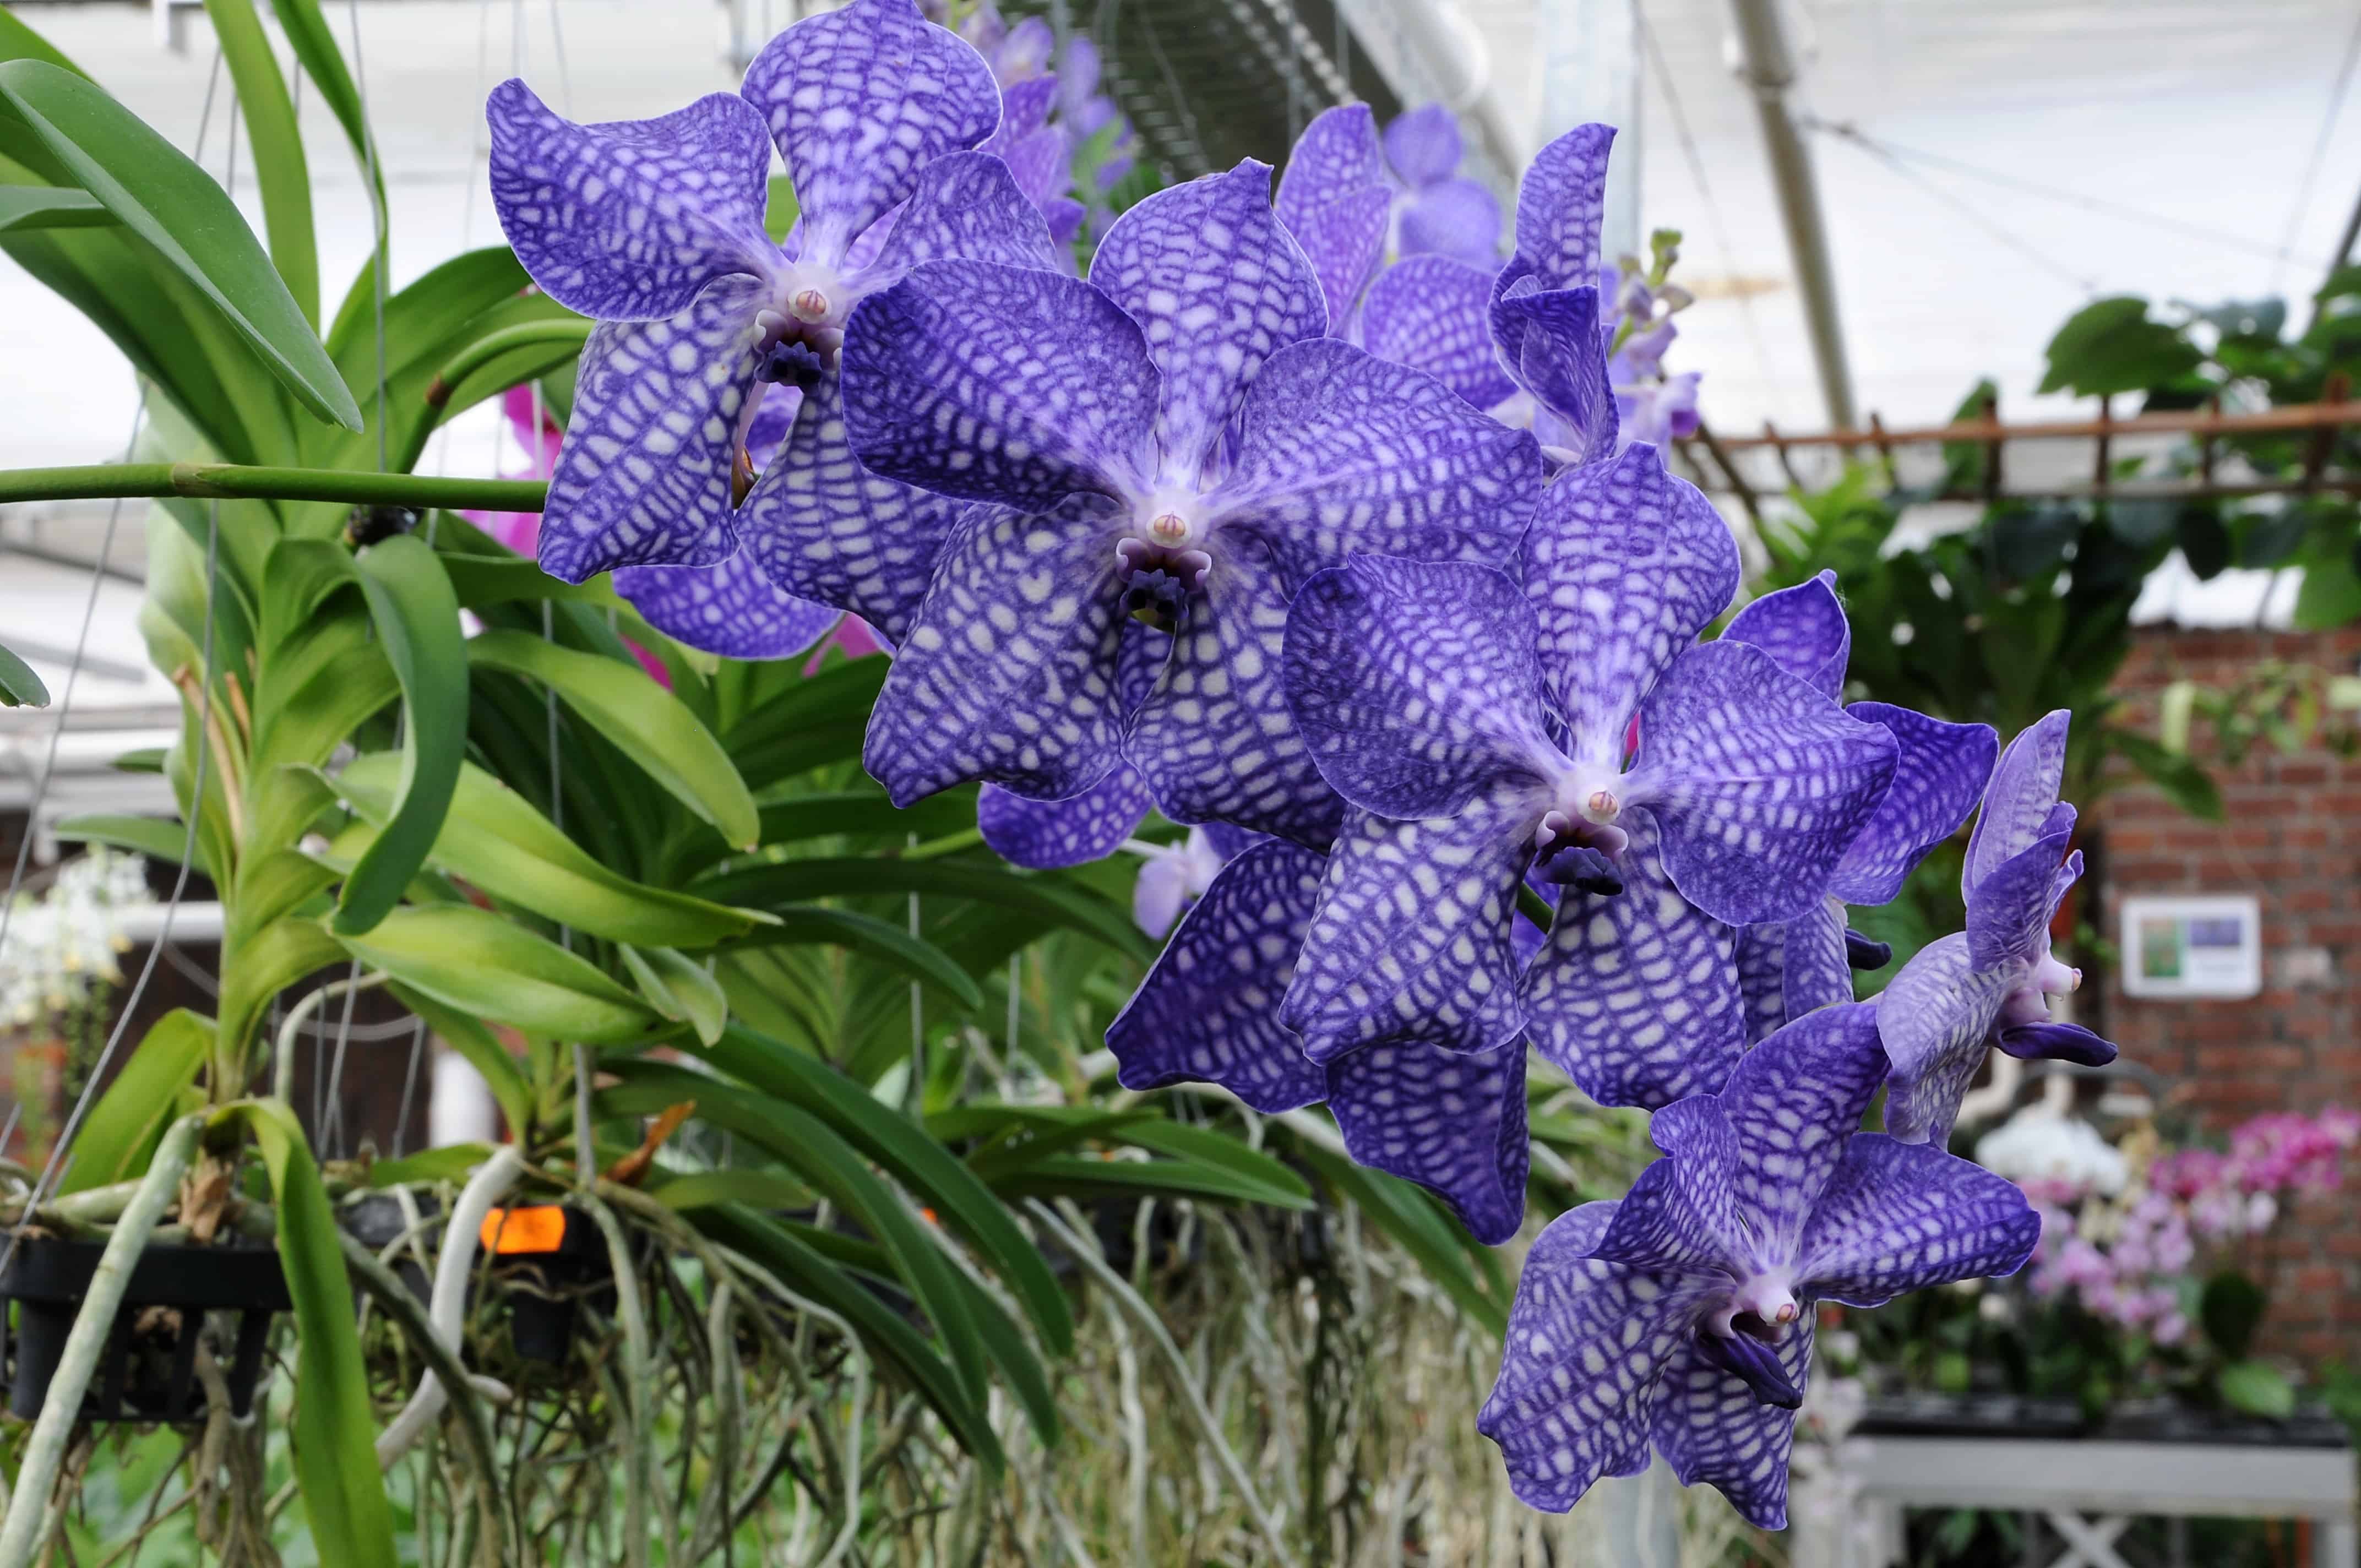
{"type": "Point", "coordinates": [279, 169]}
{"type": "Point", "coordinates": [2253, 1388]}
{"type": "Point", "coordinates": [755, 1189]}
{"type": "Point", "coordinates": [803, 924]}
{"type": "Point", "coordinates": [2204, 542]}
{"type": "Point", "coordinates": [2269, 539]}
{"type": "Point", "coordinates": [1046, 896]}
{"type": "Point", "coordinates": [2110, 345]}
{"type": "Point", "coordinates": [164, 198]}
{"type": "Point", "coordinates": [418, 622]}
{"type": "Point", "coordinates": [2230, 1311]}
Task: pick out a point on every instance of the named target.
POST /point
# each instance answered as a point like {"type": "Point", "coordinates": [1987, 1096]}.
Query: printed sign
{"type": "Point", "coordinates": [2193, 947]}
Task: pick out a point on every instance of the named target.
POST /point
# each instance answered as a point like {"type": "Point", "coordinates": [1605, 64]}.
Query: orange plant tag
{"type": "Point", "coordinates": [538, 1229]}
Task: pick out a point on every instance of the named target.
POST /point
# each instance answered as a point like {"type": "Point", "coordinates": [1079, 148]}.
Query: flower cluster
{"type": "Point", "coordinates": [63, 944]}
{"type": "Point", "coordinates": [1228, 528]}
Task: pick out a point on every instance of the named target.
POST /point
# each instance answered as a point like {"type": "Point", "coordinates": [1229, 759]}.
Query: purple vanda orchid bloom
{"type": "Point", "coordinates": [1991, 984]}
{"type": "Point", "coordinates": [1550, 324]}
{"type": "Point", "coordinates": [1173, 441]}
{"type": "Point", "coordinates": [1208, 1013]}
{"type": "Point", "coordinates": [654, 228]}
{"type": "Point", "coordinates": [1480, 727]}
{"type": "Point", "coordinates": [1680, 1317]}
{"type": "Point", "coordinates": [1442, 212]}
{"type": "Point", "coordinates": [1788, 969]}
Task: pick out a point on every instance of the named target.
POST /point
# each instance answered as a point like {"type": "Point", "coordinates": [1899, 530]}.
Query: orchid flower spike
{"type": "Point", "coordinates": [1481, 727]}
{"type": "Point", "coordinates": [1788, 968]}
{"type": "Point", "coordinates": [1171, 441]}
{"type": "Point", "coordinates": [1549, 326]}
{"type": "Point", "coordinates": [655, 229]}
{"type": "Point", "coordinates": [1991, 984]}
{"type": "Point", "coordinates": [1680, 1318]}
{"type": "Point", "coordinates": [1208, 1013]}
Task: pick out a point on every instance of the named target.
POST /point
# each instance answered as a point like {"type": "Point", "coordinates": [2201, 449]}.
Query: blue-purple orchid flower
{"type": "Point", "coordinates": [1680, 1318]}
{"type": "Point", "coordinates": [1442, 211]}
{"type": "Point", "coordinates": [1480, 727]}
{"type": "Point", "coordinates": [654, 228]}
{"type": "Point", "coordinates": [1991, 984]}
{"type": "Point", "coordinates": [1171, 441]}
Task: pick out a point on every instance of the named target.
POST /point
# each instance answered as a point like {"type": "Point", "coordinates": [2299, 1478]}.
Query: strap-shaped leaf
{"type": "Point", "coordinates": [917, 1159]}
{"type": "Point", "coordinates": [279, 169]}
{"type": "Point", "coordinates": [49, 207]}
{"type": "Point", "coordinates": [487, 967]}
{"type": "Point", "coordinates": [650, 724]}
{"type": "Point", "coordinates": [679, 988]}
{"type": "Point", "coordinates": [467, 1036]}
{"type": "Point", "coordinates": [159, 194]}
{"type": "Point", "coordinates": [149, 835]}
{"type": "Point", "coordinates": [335, 1430]}
{"type": "Point", "coordinates": [1049, 897]}
{"type": "Point", "coordinates": [122, 1129]}
{"type": "Point", "coordinates": [418, 622]}
{"type": "Point", "coordinates": [805, 924]}
{"type": "Point", "coordinates": [1413, 1219]}
{"type": "Point", "coordinates": [496, 839]}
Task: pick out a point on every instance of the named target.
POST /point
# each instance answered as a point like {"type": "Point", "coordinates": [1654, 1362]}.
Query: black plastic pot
{"type": "Point", "coordinates": [147, 1371]}
{"type": "Point", "coordinates": [376, 1220]}
{"type": "Point", "coordinates": [2009, 1416]}
{"type": "Point", "coordinates": [547, 1278]}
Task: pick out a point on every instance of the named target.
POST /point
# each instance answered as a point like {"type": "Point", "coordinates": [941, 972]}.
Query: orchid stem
{"type": "Point", "coordinates": [240, 481]}
{"type": "Point", "coordinates": [1533, 907]}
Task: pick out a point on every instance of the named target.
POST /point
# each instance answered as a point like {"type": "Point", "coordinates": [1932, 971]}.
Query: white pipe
{"type": "Point", "coordinates": [447, 1308]}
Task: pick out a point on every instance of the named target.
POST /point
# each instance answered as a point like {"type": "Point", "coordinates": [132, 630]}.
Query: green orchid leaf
{"type": "Point", "coordinates": [50, 207]}
{"type": "Point", "coordinates": [19, 687]}
{"type": "Point", "coordinates": [679, 988]}
{"type": "Point", "coordinates": [651, 726]}
{"type": "Point", "coordinates": [120, 1133]}
{"type": "Point", "coordinates": [485, 965]}
{"type": "Point", "coordinates": [160, 195]}
{"type": "Point", "coordinates": [418, 624]}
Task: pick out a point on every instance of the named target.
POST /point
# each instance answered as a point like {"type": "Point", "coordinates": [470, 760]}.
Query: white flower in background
{"type": "Point", "coordinates": [1174, 876]}
{"type": "Point", "coordinates": [2036, 1145]}
{"type": "Point", "coordinates": [63, 944]}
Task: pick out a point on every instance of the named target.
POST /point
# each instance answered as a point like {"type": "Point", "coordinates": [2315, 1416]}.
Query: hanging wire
{"type": "Point", "coordinates": [1714, 220]}
{"type": "Point", "coordinates": [1893, 160]}
{"type": "Point", "coordinates": [2319, 155]}
{"type": "Point", "coordinates": [1895, 153]}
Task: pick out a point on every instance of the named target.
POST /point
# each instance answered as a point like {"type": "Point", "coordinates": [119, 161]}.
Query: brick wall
{"type": "Point", "coordinates": [2291, 835]}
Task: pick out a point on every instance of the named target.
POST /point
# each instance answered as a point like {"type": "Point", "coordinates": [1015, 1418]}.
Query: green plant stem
{"type": "Point", "coordinates": [485, 349]}
{"type": "Point", "coordinates": [240, 481]}
{"type": "Point", "coordinates": [639, 1380]}
{"type": "Point", "coordinates": [21, 1535]}
{"type": "Point", "coordinates": [1534, 907]}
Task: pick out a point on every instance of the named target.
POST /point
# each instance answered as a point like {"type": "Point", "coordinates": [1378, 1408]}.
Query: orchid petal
{"type": "Point", "coordinates": [1002, 384]}
{"type": "Point", "coordinates": [1007, 674]}
{"type": "Point", "coordinates": [1792, 1103]}
{"type": "Point", "coordinates": [1552, 345]}
{"type": "Point", "coordinates": [1758, 783]}
{"type": "Point", "coordinates": [1899, 1217]}
{"type": "Point", "coordinates": [1338, 451]}
{"type": "Point", "coordinates": [1938, 773]}
{"type": "Point", "coordinates": [1423, 144]}
{"type": "Point", "coordinates": [1412, 940]}
{"type": "Point", "coordinates": [1559, 204]}
{"type": "Point", "coordinates": [644, 478]}
{"type": "Point", "coordinates": [729, 609]}
{"type": "Point", "coordinates": [971, 207]}
{"type": "Point", "coordinates": [1789, 968]}
{"type": "Point", "coordinates": [1024, 109]}
{"type": "Point", "coordinates": [1414, 683]}
{"type": "Point", "coordinates": [1935, 1019]}
{"type": "Point", "coordinates": [2008, 913]}
{"type": "Point", "coordinates": [1432, 313]}
{"type": "Point", "coordinates": [1333, 200]}
{"type": "Point", "coordinates": [1626, 565]}
{"type": "Point", "coordinates": [1042, 835]}
{"type": "Point", "coordinates": [1458, 218]}
{"type": "Point", "coordinates": [629, 221]}
{"type": "Point", "coordinates": [2018, 801]}
{"type": "Point", "coordinates": [2056, 1042]}
{"type": "Point", "coordinates": [1217, 287]}
{"type": "Point", "coordinates": [1208, 1012]}
{"type": "Point", "coordinates": [1453, 1123]}
{"type": "Point", "coordinates": [1587, 1344]}
{"type": "Point", "coordinates": [1213, 740]}
{"type": "Point", "coordinates": [823, 528]}
{"type": "Point", "coordinates": [1712, 1428]}
{"type": "Point", "coordinates": [1681, 1215]}
{"type": "Point", "coordinates": [1635, 997]}
{"type": "Point", "coordinates": [859, 101]}
{"type": "Point", "coordinates": [1805, 628]}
